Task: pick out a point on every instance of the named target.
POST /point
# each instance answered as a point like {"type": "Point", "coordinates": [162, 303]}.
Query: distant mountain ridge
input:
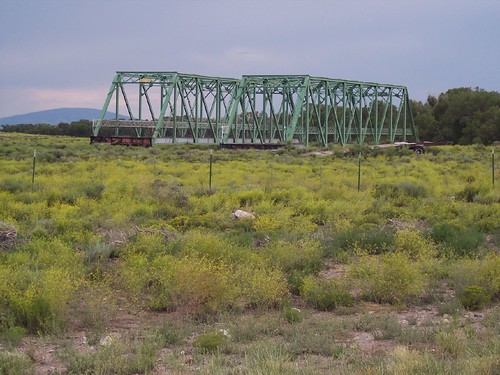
{"type": "Point", "coordinates": [55, 116]}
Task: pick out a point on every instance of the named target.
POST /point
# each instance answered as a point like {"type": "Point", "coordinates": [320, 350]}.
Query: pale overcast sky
{"type": "Point", "coordinates": [64, 53]}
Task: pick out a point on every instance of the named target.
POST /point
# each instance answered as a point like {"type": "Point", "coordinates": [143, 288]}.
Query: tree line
{"type": "Point", "coordinates": [460, 116]}
{"type": "Point", "coordinates": [81, 128]}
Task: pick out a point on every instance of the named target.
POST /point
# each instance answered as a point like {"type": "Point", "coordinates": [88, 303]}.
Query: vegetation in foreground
{"type": "Point", "coordinates": [123, 260]}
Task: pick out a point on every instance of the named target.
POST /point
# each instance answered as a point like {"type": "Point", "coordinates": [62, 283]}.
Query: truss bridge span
{"type": "Point", "coordinates": [172, 107]}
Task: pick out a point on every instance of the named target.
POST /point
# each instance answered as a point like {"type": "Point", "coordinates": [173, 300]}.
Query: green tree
{"type": "Point", "coordinates": [425, 122]}
{"type": "Point", "coordinates": [466, 115]}
{"type": "Point", "coordinates": [80, 128]}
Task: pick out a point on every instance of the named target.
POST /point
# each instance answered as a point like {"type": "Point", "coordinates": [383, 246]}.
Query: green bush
{"type": "Point", "coordinates": [295, 280]}
{"type": "Point", "coordinates": [450, 307]}
{"type": "Point", "coordinates": [171, 332]}
{"type": "Point", "coordinates": [474, 297]}
{"type": "Point", "coordinates": [97, 252]}
{"type": "Point", "coordinates": [173, 193]}
{"type": "Point", "coordinates": [468, 194]}
{"type": "Point", "coordinates": [324, 294]}
{"type": "Point", "coordinates": [451, 343]}
{"type": "Point", "coordinates": [383, 327]}
{"type": "Point", "coordinates": [151, 244]}
{"type": "Point", "coordinates": [459, 241]}
{"type": "Point", "coordinates": [164, 211]}
{"type": "Point", "coordinates": [14, 185]}
{"type": "Point", "coordinates": [15, 364]}
{"type": "Point", "coordinates": [12, 336]}
{"type": "Point", "coordinates": [369, 237]}
{"type": "Point", "coordinates": [93, 190]}
{"type": "Point", "coordinates": [202, 285]}
{"type": "Point", "coordinates": [199, 243]}
{"type": "Point", "coordinates": [126, 357]}
{"type": "Point", "coordinates": [413, 189]}
{"type": "Point", "coordinates": [293, 314]}
{"type": "Point", "coordinates": [400, 191]}
{"type": "Point", "coordinates": [388, 278]}
{"type": "Point", "coordinates": [37, 282]}
{"type": "Point", "coordinates": [66, 196]}
{"type": "Point", "coordinates": [270, 359]}
{"type": "Point", "coordinates": [194, 283]}
{"type": "Point", "coordinates": [413, 244]}
{"type": "Point", "coordinates": [260, 286]}
{"type": "Point", "coordinates": [250, 198]}
{"type": "Point", "coordinates": [211, 342]}
{"type": "Point", "coordinates": [301, 255]}
{"type": "Point", "coordinates": [484, 272]}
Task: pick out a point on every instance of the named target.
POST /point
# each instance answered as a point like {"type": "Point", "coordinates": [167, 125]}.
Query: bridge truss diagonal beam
{"type": "Point", "coordinates": [176, 107]}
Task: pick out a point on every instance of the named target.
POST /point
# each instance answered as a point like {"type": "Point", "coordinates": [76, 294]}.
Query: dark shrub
{"type": "Point", "coordinates": [460, 241]}
{"type": "Point", "coordinates": [474, 297]}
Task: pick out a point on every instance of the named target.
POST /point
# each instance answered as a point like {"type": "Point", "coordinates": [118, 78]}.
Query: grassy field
{"type": "Point", "coordinates": [117, 260]}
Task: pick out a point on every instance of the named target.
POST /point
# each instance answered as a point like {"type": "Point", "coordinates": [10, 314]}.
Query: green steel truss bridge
{"type": "Point", "coordinates": [171, 107]}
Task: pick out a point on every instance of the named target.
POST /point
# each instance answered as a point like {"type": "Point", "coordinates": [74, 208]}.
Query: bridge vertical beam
{"type": "Point", "coordinates": [218, 100]}
{"type": "Point", "coordinates": [112, 89]}
{"type": "Point", "coordinates": [360, 114]}
{"type": "Point", "coordinates": [405, 104]}
{"type": "Point", "coordinates": [196, 109]}
{"type": "Point", "coordinates": [378, 130]}
{"type": "Point", "coordinates": [165, 103]}
{"type": "Point", "coordinates": [298, 108]}
{"type": "Point", "coordinates": [412, 122]}
{"type": "Point", "coordinates": [343, 136]}
{"type": "Point", "coordinates": [233, 109]}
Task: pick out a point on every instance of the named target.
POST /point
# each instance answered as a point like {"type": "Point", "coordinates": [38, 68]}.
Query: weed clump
{"type": "Point", "coordinates": [302, 255]}
{"type": "Point", "coordinates": [293, 314]}
{"type": "Point", "coordinates": [12, 336]}
{"type": "Point", "coordinates": [370, 238]}
{"type": "Point", "coordinates": [325, 294]}
{"type": "Point", "coordinates": [14, 185]}
{"type": "Point", "coordinates": [414, 245]}
{"type": "Point", "coordinates": [457, 241]}
{"type": "Point", "coordinates": [202, 285]}
{"type": "Point", "coordinates": [390, 278]}
{"type": "Point", "coordinates": [211, 342]}
{"type": "Point", "coordinates": [130, 356]}
{"type": "Point", "coordinates": [15, 363]}
{"type": "Point", "coordinates": [474, 297]}
{"type": "Point", "coordinates": [37, 282]}
{"type": "Point", "coordinates": [400, 190]}
{"type": "Point", "coordinates": [468, 194]}
{"type": "Point", "coordinates": [93, 190]}
{"type": "Point", "coordinates": [450, 307]}
{"type": "Point", "coordinates": [484, 272]}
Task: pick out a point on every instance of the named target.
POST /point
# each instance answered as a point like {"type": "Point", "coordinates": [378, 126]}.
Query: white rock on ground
{"type": "Point", "coordinates": [240, 214]}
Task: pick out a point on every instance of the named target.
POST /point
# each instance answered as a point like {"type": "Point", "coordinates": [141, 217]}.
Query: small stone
{"type": "Point", "coordinates": [240, 214]}
{"type": "Point", "coordinates": [106, 341]}
{"type": "Point", "coordinates": [225, 332]}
